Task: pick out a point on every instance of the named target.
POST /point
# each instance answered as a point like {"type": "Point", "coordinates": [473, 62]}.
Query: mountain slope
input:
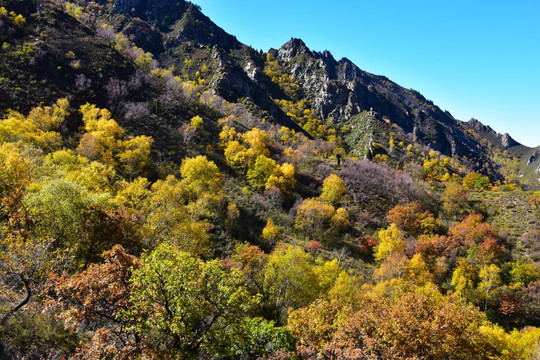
{"type": "Point", "coordinates": [183, 39]}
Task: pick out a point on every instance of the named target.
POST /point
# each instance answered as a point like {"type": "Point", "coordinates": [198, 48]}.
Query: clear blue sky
{"type": "Point", "coordinates": [474, 58]}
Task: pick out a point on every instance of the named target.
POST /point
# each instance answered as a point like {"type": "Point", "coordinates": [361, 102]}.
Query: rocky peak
{"type": "Point", "coordinates": [503, 141]}
{"type": "Point", "coordinates": [327, 57]}
{"type": "Point", "coordinates": [475, 124]}
{"type": "Point", "coordinates": [507, 141]}
{"type": "Point", "coordinates": [348, 71]}
{"type": "Point", "coordinates": [292, 49]}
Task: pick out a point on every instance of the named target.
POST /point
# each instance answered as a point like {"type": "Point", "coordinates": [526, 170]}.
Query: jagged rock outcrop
{"type": "Point", "coordinates": [340, 90]}
{"type": "Point", "coordinates": [501, 141]}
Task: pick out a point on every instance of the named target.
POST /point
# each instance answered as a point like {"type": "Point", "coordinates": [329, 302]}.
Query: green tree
{"type": "Point", "coordinates": [186, 306]}
{"type": "Point", "coordinates": [259, 173]}
{"type": "Point", "coordinates": [57, 207]}
{"type": "Point", "coordinates": [475, 180]}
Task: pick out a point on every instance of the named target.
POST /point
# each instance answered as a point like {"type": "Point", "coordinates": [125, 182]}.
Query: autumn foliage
{"type": "Point", "coordinates": [175, 224]}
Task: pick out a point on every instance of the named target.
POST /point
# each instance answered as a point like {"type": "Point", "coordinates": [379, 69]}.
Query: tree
{"type": "Point", "coordinates": [260, 172]}
{"type": "Point", "coordinates": [394, 266]}
{"type": "Point", "coordinates": [252, 262]}
{"type": "Point", "coordinates": [410, 323]}
{"type": "Point", "coordinates": [227, 134]}
{"type": "Point", "coordinates": [315, 325]}
{"type": "Point", "coordinates": [271, 233]}
{"type": "Point", "coordinates": [333, 190]}
{"type": "Point", "coordinates": [273, 194]}
{"type": "Point", "coordinates": [366, 181]}
{"type": "Point", "coordinates": [256, 140]}
{"type": "Point", "coordinates": [314, 217]}
{"type": "Point", "coordinates": [414, 326]}
{"type": "Point", "coordinates": [418, 270]}
{"type": "Point", "coordinates": [475, 180]}
{"type": "Point", "coordinates": [57, 206]}
{"type": "Point", "coordinates": [203, 187]}
{"type": "Point", "coordinates": [236, 155]}
{"type": "Point", "coordinates": [168, 218]}
{"type": "Point", "coordinates": [134, 154]}
{"type": "Point", "coordinates": [232, 215]}
{"type": "Point", "coordinates": [339, 153]}
{"type": "Point", "coordinates": [197, 122]}
{"type": "Point", "coordinates": [102, 134]}
{"type": "Point", "coordinates": [490, 279]}
{"type": "Point", "coordinates": [23, 264]}
{"type": "Point", "coordinates": [201, 175]}
{"type": "Point", "coordinates": [104, 229]}
{"type": "Point", "coordinates": [390, 240]}
{"type": "Point", "coordinates": [289, 279]}
{"type": "Point", "coordinates": [472, 230]}
{"type": "Point", "coordinates": [38, 128]}
{"type": "Point", "coordinates": [187, 306]}
{"type": "Point", "coordinates": [464, 279]}
{"type": "Point", "coordinates": [455, 200]}
{"type": "Point", "coordinates": [327, 273]}
{"type": "Point", "coordinates": [412, 219]}
{"type": "Point", "coordinates": [282, 177]}
{"type": "Point", "coordinates": [524, 272]}
{"type": "Point", "coordinates": [188, 132]}
{"type": "Point", "coordinates": [133, 194]}
{"type": "Point", "coordinates": [98, 300]}
{"type": "Point", "coordinates": [314, 247]}
{"type": "Point", "coordinates": [67, 165]}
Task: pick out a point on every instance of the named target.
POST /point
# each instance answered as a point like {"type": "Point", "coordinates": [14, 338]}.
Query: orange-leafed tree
{"type": "Point", "coordinates": [94, 304]}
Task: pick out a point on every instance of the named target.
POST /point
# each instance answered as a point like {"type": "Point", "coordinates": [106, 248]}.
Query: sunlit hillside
{"type": "Point", "coordinates": [170, 193]}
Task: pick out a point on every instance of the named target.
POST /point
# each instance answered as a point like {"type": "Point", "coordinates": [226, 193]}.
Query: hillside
{"type": "Point", "coordinates": [169, 192]}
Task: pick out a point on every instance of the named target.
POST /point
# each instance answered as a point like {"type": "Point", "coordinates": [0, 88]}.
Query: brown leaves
{"type": "Point", "coordinates": [96, 299]}
{"type": "Point", "coordinates": [413, 326]}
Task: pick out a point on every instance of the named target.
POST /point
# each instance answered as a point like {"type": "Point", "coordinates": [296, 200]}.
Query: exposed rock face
{"type": "Point", "coordinates": [533, 157]}
{"type": "Point", "coordinates": [340, 90]}
{"type": "Point", "coordinates": [292, 49]}
{"type": "Point", "coordinates": [506, 140]}
{"type": "Point", "coordinates": [502, 141]}
{"type": "Point", "coordinates": [336, 89]}
{"type": "Point", "coordinates": [144, 36]}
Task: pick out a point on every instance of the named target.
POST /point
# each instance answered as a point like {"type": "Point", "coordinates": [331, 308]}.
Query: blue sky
{"type": "Point", "coordinates": [473, 58]}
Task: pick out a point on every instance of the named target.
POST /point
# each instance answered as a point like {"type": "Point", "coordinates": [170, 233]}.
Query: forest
{"type": "Point", "coordinates": [145, 216]}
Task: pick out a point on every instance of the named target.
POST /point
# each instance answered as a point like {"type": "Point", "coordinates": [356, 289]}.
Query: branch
{"type": "Point", "coordinates": [25, 301]}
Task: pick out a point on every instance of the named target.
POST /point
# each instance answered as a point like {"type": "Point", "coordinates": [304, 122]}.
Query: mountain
{"type": "Point", "coordinates": [169, 192]}
{"type": "Point", "coordinates": [181, 37]}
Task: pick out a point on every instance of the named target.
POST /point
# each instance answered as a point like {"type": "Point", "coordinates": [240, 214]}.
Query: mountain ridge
{"type": "Point", "coordinates": [178, 33]}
